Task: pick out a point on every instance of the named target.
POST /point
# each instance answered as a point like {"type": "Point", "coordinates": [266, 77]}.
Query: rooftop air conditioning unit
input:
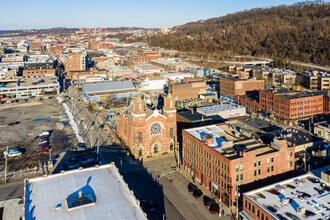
{"type": "Point", "coordinates": [301, 210]}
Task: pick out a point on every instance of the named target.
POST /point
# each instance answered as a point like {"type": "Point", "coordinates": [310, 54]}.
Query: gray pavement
{"type": "Point", "coordinates": [11, 190]}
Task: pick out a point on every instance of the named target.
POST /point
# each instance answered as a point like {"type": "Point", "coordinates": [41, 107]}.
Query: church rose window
{"type": "Point", "coordinates": [155, 129]}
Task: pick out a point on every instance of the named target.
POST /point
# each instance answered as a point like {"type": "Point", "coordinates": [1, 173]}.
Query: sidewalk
{"type": "Point", "coordinates": [206, 192]}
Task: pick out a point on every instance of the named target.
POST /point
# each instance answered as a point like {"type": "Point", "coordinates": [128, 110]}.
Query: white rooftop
{"type": "Point", "coordinates": [219, 108]}
{"type": "Point", "coordinates": [284, 199]}
{"type": "Point", "coordinates": [113, 199]}
{"type": "Point", "coordinates": [211, 130]}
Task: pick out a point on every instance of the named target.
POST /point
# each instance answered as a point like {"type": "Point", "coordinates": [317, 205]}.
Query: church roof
{"type": "Point", "coordinates": [129, 111]}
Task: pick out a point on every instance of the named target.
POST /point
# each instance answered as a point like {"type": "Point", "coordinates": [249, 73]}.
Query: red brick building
{"type": "Point", "coordinates": [83, 74]}
{"type": "Point", "coordinates": [55, 49]}
{"type": "Point", "coordinates": [42, 72]}
{"type": "Point", "coordinates": [291, 106]}
{"type": "Point", "coordinates": [148, 132]}
{"type": "Point", "coordinates": [152, 54]}
{"type": "Point", "coordinates": [222, 161]}
{"type": "Point", "coordinates": [75, 62]}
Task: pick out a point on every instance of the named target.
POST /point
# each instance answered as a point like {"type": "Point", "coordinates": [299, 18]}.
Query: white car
{"type": "Point", "coordinates": [12, 154]}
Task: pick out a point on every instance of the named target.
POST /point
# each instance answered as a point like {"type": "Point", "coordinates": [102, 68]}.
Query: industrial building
{"type": "Point", "coordinates": [114, 89]}
{"type": "Point", "coordinates": [91, 193]}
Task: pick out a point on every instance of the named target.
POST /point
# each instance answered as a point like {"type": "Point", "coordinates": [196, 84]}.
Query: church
{"type": "Point", "coordinates": [148, 132]}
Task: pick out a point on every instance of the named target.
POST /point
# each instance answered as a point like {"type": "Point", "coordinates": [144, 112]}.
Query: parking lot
{"type": "Point", "coordinates": [33, 117]}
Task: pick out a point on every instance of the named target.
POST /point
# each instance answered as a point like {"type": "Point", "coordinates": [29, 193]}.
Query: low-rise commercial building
{"type": "Point", "coordinates": [302, 197]}
{"type": "Point", "coordinates": [27, 87]}
{"type": "Point", "coordinates": [81, 194]}
{"type": "Point", "coordinates": [225, 110]}
{"type": "Point", "coordinates": [222, 159]}
{"type": "Point", "coordinates": [231, 87]}
{"type": "Point", "coordinates": [148, 69]}
{"type": "Point", "coordinates": [322, 130]}
{"type": "Point", "coordinates": [188, 90]}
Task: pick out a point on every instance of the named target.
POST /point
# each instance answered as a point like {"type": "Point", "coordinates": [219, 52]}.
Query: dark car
{"type": "Point", "coordinates": [13, 123]}
{"type": "Point", "coordinates": [193, 189]}
{"type": "Point", "coordinates": [211, 205]}
{"type": "Point", "coordinates": [148, 205]}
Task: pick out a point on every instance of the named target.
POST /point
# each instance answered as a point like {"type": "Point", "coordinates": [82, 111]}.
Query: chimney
{"type": "Point", "coordinates": [192, 111]}
{"type": "Point", "coordinates": [328, 93]}
{"type": "Point", "coordinates": [275, 90]}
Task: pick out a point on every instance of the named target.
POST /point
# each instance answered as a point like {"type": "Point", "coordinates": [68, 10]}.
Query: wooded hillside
{"type": "Point", "coordinates": [293, 32]}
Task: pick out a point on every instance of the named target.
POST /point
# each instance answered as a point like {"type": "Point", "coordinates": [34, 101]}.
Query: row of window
{"type": "Point", "coordinates": [260, 215]}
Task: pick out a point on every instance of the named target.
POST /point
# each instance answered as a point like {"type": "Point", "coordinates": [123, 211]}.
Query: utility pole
{"type": "Point", "coordinates": [6, 164]}
{"type": "Point", "coordinates": [237, 209]}
{"type": "Point", "coordinates": [305, 161]}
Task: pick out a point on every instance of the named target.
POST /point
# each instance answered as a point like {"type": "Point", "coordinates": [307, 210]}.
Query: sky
{"type": "Point", "coordinates": [37, 14]}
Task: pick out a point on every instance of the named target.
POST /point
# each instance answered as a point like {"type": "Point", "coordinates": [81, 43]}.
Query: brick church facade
{"type": "Point", "coordinates": [148, 132]}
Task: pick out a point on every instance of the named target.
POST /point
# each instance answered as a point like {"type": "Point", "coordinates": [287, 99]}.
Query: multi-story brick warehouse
{"type": "Point", "coordinates": [231, 87]}
{"type": "Point", "coordinates": [289, 106]}
{"type": "Point", "coordinates": [223, 162]}
{"type": "Point", "coordinates": [148, 132]}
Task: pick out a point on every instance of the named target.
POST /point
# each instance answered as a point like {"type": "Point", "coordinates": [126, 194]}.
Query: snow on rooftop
{"type": "Point", "coordinates": [286, 199]}
{"type": "Point", "coordinates": [46, 198]}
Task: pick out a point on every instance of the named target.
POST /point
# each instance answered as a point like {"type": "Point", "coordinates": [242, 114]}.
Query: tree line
{"type": "Point", "coordinates": [287, 32]}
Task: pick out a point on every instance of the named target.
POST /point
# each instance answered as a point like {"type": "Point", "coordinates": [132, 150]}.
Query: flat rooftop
{"type": "Point", "coordinates": [283, 199]}
{"type": "Point", "coordinates": [227, 141]}
{"type": "Point", "coordinates": [146, 67]}
{"type": "Point", "coordinates": [49, 198]}
{"type": "Point", "coordinates": [194, 116]}
{"type": "Point", "coordinates": [27, 81]}
{"type": "Point", "coordinates": [108, 86]}
{"type": "Point", "coordinates": [219, 108]}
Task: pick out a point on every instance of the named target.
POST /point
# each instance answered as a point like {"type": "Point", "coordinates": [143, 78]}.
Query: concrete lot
{"type": "Point", "coordinates": [34, 117]}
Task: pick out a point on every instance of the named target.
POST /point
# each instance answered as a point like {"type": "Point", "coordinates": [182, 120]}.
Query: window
{"type": "Point", "coordinates": [255, 163]}
{"type": "Point", "coordinates": [259, 172]}
{"type": "Point", "coordinates": [259, 162]}
{"type": "Point", "coordinates": [237, 177]}
{"type": "Point", "coordinates": [258, 213]}
{"type": "Point", "coordinates": [255, 173]}
{"type": "Point", "coordinates": [155, 129]}
{"type": "Point", "coordinates": [241, 176]}
{"type": "Point", "coordinates": [268, 161]}
{"type": "Point", "coordinates": [268, 169]}
{"type": "Point", "coordinates": [291, 164]}
{"type": "Point", "coordinates": [272, 168]}
{"type": "Point", "coordinates": [272, 159]}
{"type": "Point", "coordinates": [241, 166]}
{"type": "Point", "coordinates": [171, 132]}
{"type": "Point", "coordinates": [237, 168]}
{"type": "Point", "coordinates": [140, 137]}
{"type": "Point", "coordinates": [252, 209]}
{"type": "Point", "coordinates": [290, 154]}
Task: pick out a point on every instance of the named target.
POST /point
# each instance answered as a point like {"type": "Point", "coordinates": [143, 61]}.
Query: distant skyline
{"type": "Point", "coordinates": [39, 14]}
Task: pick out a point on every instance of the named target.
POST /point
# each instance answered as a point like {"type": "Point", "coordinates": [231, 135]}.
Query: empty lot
{"type": "Point", "coordinates": [34, 117]}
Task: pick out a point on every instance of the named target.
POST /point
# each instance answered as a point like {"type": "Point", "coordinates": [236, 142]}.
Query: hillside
{"type": "Point", "coordinates": [299, 32]}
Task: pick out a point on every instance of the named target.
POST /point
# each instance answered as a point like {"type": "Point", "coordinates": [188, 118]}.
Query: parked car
{"type": "Point", "coordinates": [45, 133]}
{"type": "Point", "coordinates": [211, 205]}
{"type": "Point", "coordinates": [41, 138]}
{"type": "Point", "coordinates": [43, 141]}
{"type": "Point", "coordinates": [13, 123]}
{"type": "Point", "coordinates": [148, 205]}
{"type": "Point", "coordinates": [42, 149]}
{"type": "Point", "coordinates": [14, 152]}
{"type": "Point", "coordinates": [193, 189]}
{"type": "Point", "coordinates": [44, 144]}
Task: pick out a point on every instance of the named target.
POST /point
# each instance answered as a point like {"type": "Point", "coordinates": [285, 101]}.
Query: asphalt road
{"type": "Point", "coordinates": [11, 190]}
